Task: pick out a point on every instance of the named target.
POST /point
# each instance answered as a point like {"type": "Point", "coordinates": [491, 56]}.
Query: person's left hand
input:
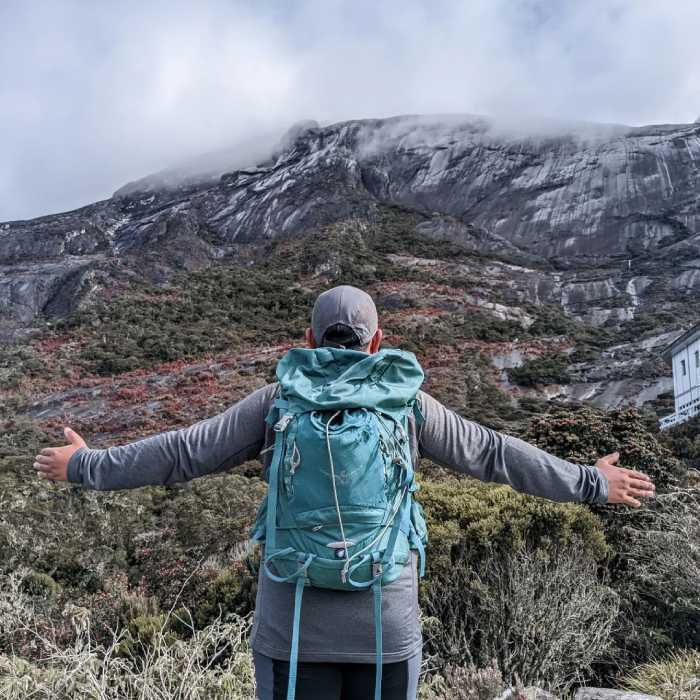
{"type": "Point", "coordinates": [625, 485]}
{"type": "Point", "coordinates": [52, 462]}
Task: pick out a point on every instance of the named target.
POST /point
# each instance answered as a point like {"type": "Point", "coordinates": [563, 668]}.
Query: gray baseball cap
{"type": "Point", "coordinates": [344, 306]}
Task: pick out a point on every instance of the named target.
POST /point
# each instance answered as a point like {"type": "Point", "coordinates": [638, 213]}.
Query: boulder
{"type": "Point", "coordinates": [611, 694]}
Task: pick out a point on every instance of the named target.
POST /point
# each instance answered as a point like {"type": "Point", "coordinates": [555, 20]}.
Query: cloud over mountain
{"type": "Point", "coordinates": [92, 96]}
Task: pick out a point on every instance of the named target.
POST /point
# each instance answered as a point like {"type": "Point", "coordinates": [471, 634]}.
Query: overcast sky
{"type": "Point", "coordinates": [94, 94]}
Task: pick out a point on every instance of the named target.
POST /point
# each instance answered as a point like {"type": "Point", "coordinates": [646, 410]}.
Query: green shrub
{"type": "Point", "coordinates": [548, 369]}
{"type": "Point", "coordinates": [20, 438]}
{"type": "Point", "coordinates": [144, 632]}
{"type": "Point", "coordinates": [145, 659]}
{"type": "Point", "coordinates": [170, 544]}
{"type": "Point", "coordinates": [215, 663]}
{"type": "Point", "coordinates": [201, 535]}
{"type": "Point", "coordinates": [466, 515]}
{"type": "Point", "coordinates": [551, 319]}
{"type": "Point", "coordinates": [37, 583]}
{"type": "Point", "coordinates": [656, 568]}
{"type": "Point", "coordinates": [469, 387]}
{"type": "Point", "coordinates": [584, 353]}
{"type": "Point", "coordinates": [582, 434]}
{"type": "Point", "coordinates": [654, 322]}
{"type": "Point", "coordinates": [18, 364]}
{"type": "Point", "coordinates": [230, 595]}
{"type": "Point", "coordinates": [684, 441]}
{"type": "Point", "coordinates": [201, 312]}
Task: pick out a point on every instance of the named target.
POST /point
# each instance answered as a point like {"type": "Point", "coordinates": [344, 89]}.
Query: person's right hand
{"type": "Point", "coordinates": [52, 462]}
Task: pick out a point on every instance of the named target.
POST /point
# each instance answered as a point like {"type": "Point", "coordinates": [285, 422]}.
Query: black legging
{"type": "Point", "coordinates": [336, 681]}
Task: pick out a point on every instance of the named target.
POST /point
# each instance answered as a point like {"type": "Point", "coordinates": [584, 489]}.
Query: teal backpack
{"type": "Point", "coordinates": [339, 511]}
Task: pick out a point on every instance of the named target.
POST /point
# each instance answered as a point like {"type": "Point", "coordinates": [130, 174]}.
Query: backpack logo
{"type": "Point", "coordinates": [339, 512]}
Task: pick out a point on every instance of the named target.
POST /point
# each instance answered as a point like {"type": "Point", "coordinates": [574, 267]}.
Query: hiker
{"type": "Point", "coordinates": [327, 648]}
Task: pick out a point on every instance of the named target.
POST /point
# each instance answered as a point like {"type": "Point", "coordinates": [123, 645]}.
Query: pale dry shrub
{"type": "Point", "coordinates": [541, 613]}
{"type": "Point", "coordinates": [213, 663]}
{"type": "Point", "coordinates": [464, 683]}
{"type": "Point", "coordinates": [674, 678]}
{"type": "Point", "coordinates": [657, 570]}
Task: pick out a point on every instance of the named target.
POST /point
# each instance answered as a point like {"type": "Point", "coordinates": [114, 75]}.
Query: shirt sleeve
{"type": "Point", "coordinates": [485, 454]}
{"type": "Point", "coordinates": [211, 445]}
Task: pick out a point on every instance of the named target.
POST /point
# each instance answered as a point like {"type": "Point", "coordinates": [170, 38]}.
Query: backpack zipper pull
{"type": "Point", "coordinates": [296, 459]}
{"type": "Point", "coordinates": [282, 423]}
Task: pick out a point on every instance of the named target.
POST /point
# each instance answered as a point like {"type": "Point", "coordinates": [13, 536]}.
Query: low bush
{"type": "Point", "coordinates": [18, 364]}
{"type": "Point", "coordinates": [463, 683]}
{"type": "Point", "coordinates": [466, 515]}
{"type": "Point", "coordinates": [96, 548]}
{"type": "Point", "coordinates": [676, 677]}
{"type": "Point", "coordinates": [654, 560]}
{"type": "Point", "coordinates": [39, 584]}
{"type": "Point", "coordinates": [513, 577]}
{"type": "Point", "coordinates": [548, 369]}
{"type": "Point", "coordinates": [214, 663]}
{"type": "Point", "coordinates": [230, 595]}
{"type": "Point", "coordinates": [541, 613]}
{"type": "Point", "coordinates": [551, 319]}
{"type": "Point", "coordinates": [684, 441]}
{"type": "Point", "coordinates": [656, 569]}
{"type": "Point", "coordinates": [19, 438]}
{"type": "Point", "coordinates": [469, 387]}
{"type": "Point", "coordinates": [582, 434]}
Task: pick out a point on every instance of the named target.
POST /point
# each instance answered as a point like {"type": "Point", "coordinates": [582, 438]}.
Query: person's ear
{"type": "Point", "coordinates": [376, 341]}
{"type": "Point", "coordinates": [310, 340]}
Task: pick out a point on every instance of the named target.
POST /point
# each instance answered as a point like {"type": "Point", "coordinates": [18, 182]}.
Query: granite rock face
{"type": "Point", "coordinates": [611, 694]}
{"type": "Point", "coordinates": [608, 216]}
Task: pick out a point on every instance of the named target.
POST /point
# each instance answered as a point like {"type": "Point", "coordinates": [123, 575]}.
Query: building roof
{"type": "Point", "coordinates": [690, 336]}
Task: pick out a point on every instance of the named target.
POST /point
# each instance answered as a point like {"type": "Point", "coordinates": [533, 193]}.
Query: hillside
{"type": "Point", "coordinates": [594, 227]}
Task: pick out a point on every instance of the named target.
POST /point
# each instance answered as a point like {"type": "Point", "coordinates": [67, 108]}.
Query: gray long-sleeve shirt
{"type": "Point", "coordinates": [335, 625]}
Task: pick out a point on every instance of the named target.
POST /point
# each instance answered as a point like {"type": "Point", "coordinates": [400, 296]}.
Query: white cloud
{"type": "Point", "coordinates": [95, 94]}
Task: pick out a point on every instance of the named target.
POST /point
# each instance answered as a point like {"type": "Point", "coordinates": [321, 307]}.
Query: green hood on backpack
{"type": "Point", "coordinates": [326, 379]}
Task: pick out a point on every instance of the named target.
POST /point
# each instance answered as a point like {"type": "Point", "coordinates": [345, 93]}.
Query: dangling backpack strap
{"type": "Point", "coordinates": [294, 651]}
{"type": "Point", "coordinates": [377, 590]}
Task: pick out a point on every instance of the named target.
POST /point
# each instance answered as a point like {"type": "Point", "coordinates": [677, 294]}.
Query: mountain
{"type": "Point", "coordinates": [596, 224]}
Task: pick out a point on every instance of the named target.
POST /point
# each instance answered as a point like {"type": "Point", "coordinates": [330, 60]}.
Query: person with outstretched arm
{"type": "Point", "coordinates": [337, 651]}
